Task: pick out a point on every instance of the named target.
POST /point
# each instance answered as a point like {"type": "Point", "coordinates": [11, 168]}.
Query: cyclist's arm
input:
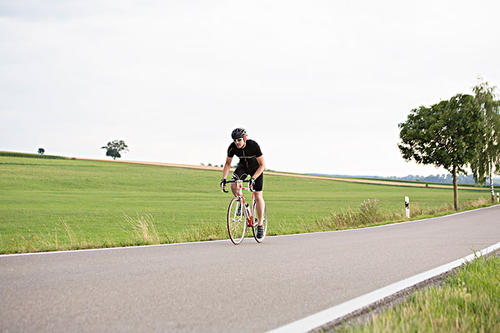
{"type": "Point", "coordinates": [261, 168]}
{"type": "Point", "coordinates": [227, 166]}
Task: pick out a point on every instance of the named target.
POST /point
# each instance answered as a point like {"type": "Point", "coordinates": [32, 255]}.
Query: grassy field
{"type": "Point", "coordinates": [468, 301]}
{"type": "Point", "coordinates": [53, 204]}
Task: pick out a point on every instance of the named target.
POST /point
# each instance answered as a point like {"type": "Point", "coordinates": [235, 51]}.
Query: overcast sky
{"type": "Point", "coordinates": [320, 85]}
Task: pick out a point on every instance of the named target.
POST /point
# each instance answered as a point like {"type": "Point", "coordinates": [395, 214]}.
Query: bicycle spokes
{"type": "Point", "coordinates": [236, 221]}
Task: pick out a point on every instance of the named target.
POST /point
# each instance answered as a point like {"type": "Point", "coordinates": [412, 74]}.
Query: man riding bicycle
{"type": "Point", "coordinates": [251, 163]}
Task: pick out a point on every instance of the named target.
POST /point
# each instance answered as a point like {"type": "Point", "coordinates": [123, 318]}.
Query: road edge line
{"type": "Point", "coordinates": [342, 310]}
{"type": "Point", "coordinates": [110, 248]}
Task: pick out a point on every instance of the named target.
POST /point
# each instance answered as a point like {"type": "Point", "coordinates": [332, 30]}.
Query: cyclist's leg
{"type": "Point", "coordinates": [239, 173]}
{"type": "Point", "coordinates": [259, 198]}
{"type": "Point", "coordinates": [236, 188]}
{"type": "Point", "coordinates": [259, 206]}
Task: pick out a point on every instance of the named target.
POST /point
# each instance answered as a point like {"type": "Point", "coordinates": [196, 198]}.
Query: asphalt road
{"type": "Point", "coordinates": [216, 286]}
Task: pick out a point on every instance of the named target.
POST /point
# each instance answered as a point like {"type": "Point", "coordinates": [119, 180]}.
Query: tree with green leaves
{"type": "Point", "coordinates": [114, 148]}
{"type": "Point", "coordinates": [445, 135]}
{"type": "Point", "coordinates": [487, 159]}
{"type": "Point", "coordinates": [41, 151]}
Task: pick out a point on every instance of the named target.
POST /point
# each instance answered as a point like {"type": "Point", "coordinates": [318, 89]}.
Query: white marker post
{"type": "Point", "coordinates": [498, 197]}
{"type": "Point", "coordinates": [407, 207]}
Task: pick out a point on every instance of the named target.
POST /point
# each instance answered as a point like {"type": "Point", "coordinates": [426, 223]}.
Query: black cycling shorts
{"type": "Point", "coordinates": [242, 173]}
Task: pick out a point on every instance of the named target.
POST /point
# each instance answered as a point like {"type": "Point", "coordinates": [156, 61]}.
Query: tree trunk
{"type": "Point", "coordinates": [455, 190]}
{"type": "Point", "coordinates": [492, 187]}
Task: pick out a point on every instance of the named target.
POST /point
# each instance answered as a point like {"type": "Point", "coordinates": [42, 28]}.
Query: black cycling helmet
{"type": "Point", "coordinates": [238, 133]}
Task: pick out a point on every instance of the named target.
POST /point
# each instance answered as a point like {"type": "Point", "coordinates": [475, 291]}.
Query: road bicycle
{"type": "Point", "coordinates": [240, 215]}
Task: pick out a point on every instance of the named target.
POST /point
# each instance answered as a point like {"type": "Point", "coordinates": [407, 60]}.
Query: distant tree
{"type": "Point", "coordinates": [487, 158]}
{"type": "Point", "coordinates": [445, 134]}
{"type": "Point", "coordinates": [41, 151]}
{"type": "Point", "coordinates": [114, 148]}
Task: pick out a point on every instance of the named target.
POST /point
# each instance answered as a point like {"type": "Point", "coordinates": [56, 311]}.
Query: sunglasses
{"type": "Point", "coordinates": [238, 140]}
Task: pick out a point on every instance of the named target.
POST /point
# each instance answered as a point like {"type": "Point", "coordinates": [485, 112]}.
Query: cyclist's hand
{"type": "Point", "coordinates": [251, 183]}
{"type": "Point", "coordinates": [223, 185]}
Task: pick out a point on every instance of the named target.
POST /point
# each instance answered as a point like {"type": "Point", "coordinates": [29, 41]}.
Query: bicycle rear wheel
{"type": "Point", "coordinates": [256, 220]}
{"type": "Point", "coordinates": [236, 221]}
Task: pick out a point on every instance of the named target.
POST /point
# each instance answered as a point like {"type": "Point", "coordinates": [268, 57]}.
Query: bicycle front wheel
{"type": "Point", "coordinates": [254, 224]}
{"type": "Point", "coordinates": [236, 221]}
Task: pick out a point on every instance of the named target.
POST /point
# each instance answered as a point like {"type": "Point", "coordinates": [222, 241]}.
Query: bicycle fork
{"type": "Point", "coordinates": [245, 210]}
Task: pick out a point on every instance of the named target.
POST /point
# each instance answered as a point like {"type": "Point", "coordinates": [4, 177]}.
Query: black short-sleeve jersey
{"type": "Point", "coordinates": [248, 154]}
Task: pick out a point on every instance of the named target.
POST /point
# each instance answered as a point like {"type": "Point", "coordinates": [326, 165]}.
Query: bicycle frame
{"type": "Point", "coordinates": [242, 198]}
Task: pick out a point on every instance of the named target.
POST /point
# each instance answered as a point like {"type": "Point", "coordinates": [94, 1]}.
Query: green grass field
{"type": "Point", "coordinates": [468, 301]}
{"type": "Point", "coordinates": [52, 204]}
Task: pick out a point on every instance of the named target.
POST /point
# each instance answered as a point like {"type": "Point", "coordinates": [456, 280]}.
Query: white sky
{"type": "Point", "coordinates": [320, 85]}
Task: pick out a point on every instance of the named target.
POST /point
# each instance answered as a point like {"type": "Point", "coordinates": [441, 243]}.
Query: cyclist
{"type": "Point", "coordinates": [251, 163]}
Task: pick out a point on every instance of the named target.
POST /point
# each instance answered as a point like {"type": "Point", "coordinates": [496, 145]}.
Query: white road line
{"type": "Point", "coordinates": [336, 312]}
{"type": "Point", "coordinates": [227, 240]}
{"type": "Point", "coordinates": [110, 248]}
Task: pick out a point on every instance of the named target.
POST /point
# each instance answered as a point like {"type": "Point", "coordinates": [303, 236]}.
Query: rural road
{"type": "Point", "coordinates": [216, 286]}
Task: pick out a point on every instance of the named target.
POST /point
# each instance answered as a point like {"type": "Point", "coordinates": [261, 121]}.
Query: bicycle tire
{"type": "Point", "coordinates": [236, 224]}
{"type": "Point", "coordinates": [256, 220]}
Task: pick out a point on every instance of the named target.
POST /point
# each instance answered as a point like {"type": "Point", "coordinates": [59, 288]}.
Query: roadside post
{"type": "Point", "coordinates": [407, 207]}
{"type": "Point", "coordinates": [498, 197]}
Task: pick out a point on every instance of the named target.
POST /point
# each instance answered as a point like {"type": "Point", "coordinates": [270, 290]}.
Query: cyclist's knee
{"type": "Point", "coordinates": [235, 188]}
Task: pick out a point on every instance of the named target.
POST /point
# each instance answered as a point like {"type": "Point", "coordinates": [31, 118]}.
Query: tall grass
{"type": "Point", "coordinates": [468, 301]}
{"type": "Point", "coordinates": [62, 237]}
{"type": "Point", "coordinates": [143, 229]}
{"type": "Point", "coordinates": [370, 214]}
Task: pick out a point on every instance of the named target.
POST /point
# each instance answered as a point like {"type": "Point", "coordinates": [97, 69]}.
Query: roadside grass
{"type": "Point", "coordinates": [52, 204]}
{"type": "Point", "coordinates": [368, 215]}
{"type": "Point", "coordinates": [468, 301]}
